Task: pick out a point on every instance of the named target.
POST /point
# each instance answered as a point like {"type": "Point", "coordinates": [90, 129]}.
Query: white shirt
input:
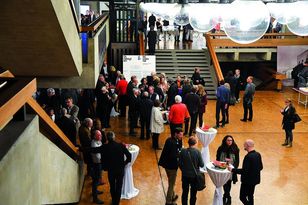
{"type": "Point", "coordinates": [96, 157]}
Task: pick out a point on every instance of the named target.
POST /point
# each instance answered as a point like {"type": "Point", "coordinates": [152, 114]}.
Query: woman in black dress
{"type": "Point", "coordinates": [228, 152]}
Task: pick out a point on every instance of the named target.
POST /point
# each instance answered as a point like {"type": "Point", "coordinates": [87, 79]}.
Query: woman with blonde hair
{"type": "Point", "coordinates": [203, 102]}
{"type": "Point", "coordinates": [288, 123]}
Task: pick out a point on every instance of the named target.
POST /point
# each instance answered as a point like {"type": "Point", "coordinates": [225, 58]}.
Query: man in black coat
{"type": "Point", "coordinates": [114, 162]}
{"type": "Point", "coordinates": [133, 111]}
{"type": "Point", "coordinates": [192, 102]}
{"type": "Point", "coordinates": [103, 108]}
{"type": "Point", "coordinates": [152, 20]}
{"type": "Point", "coordinates": [152, 40]}
{"type": "Point", "coordinates": [131, 85]}
{"type": "Point", "coordinates": [172, 92]}
{"type": "Point", "coordinates": [101, 82]}
{"type": "Point", "coordinates": [169, 159]}
{"type": "Point", "coordinates": [196, 77]}
{"type": "Point", "coordinates": [239, 82]}
{"type": "Point", "coordinates": [250, 173]}
{"type": "Point", "coordinates": [145, 106]}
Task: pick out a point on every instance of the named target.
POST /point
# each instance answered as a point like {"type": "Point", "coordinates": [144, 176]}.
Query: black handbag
{"type": "Point", "coordinates": [200, 177]}
{"type": "Point", "coordinates": [232, 100]}
{"type": "Point", "coordinates": [296, 118]}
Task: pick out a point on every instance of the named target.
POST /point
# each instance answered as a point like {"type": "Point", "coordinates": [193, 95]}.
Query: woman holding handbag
{"type": "Point", "coordinates": [288, 122]}
{"type": "Point", "coordinates": [190, 163]}
{"type": "Point", "coordinates": [228, 152]}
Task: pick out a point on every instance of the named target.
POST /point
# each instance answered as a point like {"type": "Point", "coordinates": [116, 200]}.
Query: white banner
{"type": "Point", "coordinates": [140, 66]}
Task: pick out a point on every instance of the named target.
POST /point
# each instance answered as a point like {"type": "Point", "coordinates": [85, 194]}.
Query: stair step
{"type": "Point", "coordinates": [201, 61]}
{"type": "Point", "coordinates": [183, 62]}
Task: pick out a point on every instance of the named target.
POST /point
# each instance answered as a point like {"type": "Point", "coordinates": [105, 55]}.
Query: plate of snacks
{"type": "Point", "coordinates": [220, 165]}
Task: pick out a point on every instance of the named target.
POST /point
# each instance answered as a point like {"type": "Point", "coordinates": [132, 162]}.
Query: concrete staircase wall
{"type": "Point", "coordinates": [183, 62]}
{"type": "Point", "coordinates": [35, 171]}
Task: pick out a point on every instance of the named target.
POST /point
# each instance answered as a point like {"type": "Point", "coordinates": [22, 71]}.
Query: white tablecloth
{"type": "Point", "coordinates": [206, 138]}
{"type": "Point", "coordinates": [219, 177]}
{"type": "Point", "coordinates": [128, 189]}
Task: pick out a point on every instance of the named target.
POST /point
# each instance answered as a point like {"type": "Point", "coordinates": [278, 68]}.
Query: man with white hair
{"type": "Point", "coordinates": [51, 101]}
{"type": "Point", "coordinates": [250, 173]}
{"type": "Point", "coordinates": [178, 113]}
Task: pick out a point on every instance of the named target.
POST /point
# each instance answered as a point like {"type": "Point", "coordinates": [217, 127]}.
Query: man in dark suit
{"type": "Point", "coordinates": [101, 82]}
{"type": "Point", "coordinates": [152, 20]}
{"type": "Point", "coordinates": [114, 162]}
{"type": "Point", "coordinates": [248, 98]}
{"type": "Point", "coordinates": [223, 95]}
{"type": "Point", "coordinates": [152, 40]}
{"type": "Point", "coordinates": [72, 111]}
{"type": "Point", "coordinates": [169, 159]}
{"type": "Point", "coordinates": [152, 94]}
{"type": "Point", "coordinates": [172, 92]}
{"type": "Point", "coordinates": [133, 111]}
{"type": "Point", "coordinates": [103, 108]}
{"type": "Point", "coordinates": [192, 102]}
{"type": "Point", "coordinates": [146, 105]}
{"type": "Point", "coordinates": [250, 173]}
{"type": "Point", "coordinates": [131, 85]}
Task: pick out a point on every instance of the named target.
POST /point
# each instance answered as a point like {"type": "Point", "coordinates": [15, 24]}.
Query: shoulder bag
{"type": "Point", "coordinates": [296, 118]}
{"type": "Point", "coordinates": [200, 178]}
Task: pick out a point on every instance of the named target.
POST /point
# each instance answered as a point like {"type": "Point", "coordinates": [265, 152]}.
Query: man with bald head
{"type": "Point", "coordinates": [250, 173]}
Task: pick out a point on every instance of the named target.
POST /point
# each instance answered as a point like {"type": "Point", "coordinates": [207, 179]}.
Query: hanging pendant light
{"type": "Point", "coordinates": [246, 21]}
{"type": "Point", "coordinates": [300, 25]}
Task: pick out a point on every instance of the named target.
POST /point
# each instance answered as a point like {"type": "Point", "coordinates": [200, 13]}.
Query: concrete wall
{"type": "Point", "coordinates": [41, 40]}
{"type": "Point", "coordinates": [35, 172]}
{"type": "Point", "coordinates": [61, 177]}
{"type": "Point", "coordinates": [90, 72]}
{"type": "Point", "coordinates": [66, 19]}
{"type": "Point", "coordinates": [19, 169]}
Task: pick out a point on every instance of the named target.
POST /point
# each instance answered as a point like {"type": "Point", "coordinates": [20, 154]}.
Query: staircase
{"type": "Point", "coordinates": [183, 62]}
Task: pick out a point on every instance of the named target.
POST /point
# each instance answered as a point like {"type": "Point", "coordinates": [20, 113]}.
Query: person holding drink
{"type": "Point", "coordinates": [228, 152]}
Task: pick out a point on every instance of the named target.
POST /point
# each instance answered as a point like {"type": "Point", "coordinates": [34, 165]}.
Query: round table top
{"type": "Point", "coordinates": [210, 131]}
{"type": "Point", "coordinates": [210, 167]}
{"type": "Point", "coordinates": [132, 148]}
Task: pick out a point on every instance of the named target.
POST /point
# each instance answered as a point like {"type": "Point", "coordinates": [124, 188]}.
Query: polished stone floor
{"type": "Point", "coordinates": [284, 179]}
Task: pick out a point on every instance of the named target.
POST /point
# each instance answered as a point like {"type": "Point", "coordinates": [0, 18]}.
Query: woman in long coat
{"type": "Point", "coordinates": [156, 124]}
{"type": "Point", "coordinates": [288, 122]}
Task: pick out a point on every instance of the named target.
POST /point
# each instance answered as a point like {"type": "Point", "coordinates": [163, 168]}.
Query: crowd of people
{"type": "Point", "coordinates": [88, 17]}
{"type": "Point", "coordinates": [84, 114]}
{"type": "Point", "coordinates": [155, 29]}
{"type": "Point", "coordinates": [189, 160]}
